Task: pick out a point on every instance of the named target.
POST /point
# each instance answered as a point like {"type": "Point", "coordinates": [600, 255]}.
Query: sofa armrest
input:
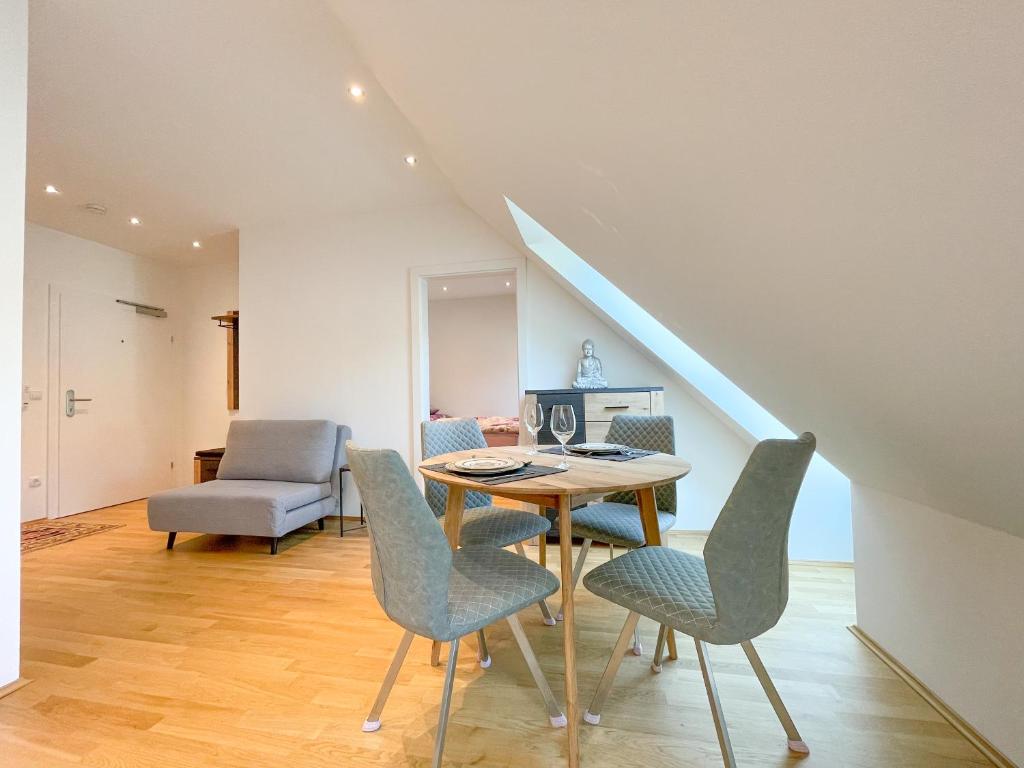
{"type": "Point", "coordinates": [340, 460]}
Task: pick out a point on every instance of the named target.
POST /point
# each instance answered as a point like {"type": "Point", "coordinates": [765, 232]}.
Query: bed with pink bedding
{"type": "Point", "coordinates": [498, 430]}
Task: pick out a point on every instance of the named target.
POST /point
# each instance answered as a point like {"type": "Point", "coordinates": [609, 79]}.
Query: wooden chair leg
{"type": "Point", "coordinates": [555, 713]}
{"type": "Point", "coordinates": [795, 742]}
{"type": "Point", "coordinates": [170, 539]}
{"type": "Point", "coordinates": [670, 635]}
{"type": "Point", "coordinates": [483, 654]}
{"type": "Point", "coordinates": [372, 722]}
{"type": "Point", "coordinates": [446, 702]}
{"type": "Point", "coordinates": [716, 705]}
{"type": "Point", "coordinates": [593, 713]}
{"type": "Point", "coordinates": [435, 654]}
{"type": "Point", "coordinates": [577, 569]}
{"type": "Point", "coordinates": [544, 610]}
{"type": "Point", "coordinates": [659, 649]}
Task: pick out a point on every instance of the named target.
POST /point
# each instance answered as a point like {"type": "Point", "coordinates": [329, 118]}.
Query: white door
{"type": "Point", "coordinates": [120, 366]}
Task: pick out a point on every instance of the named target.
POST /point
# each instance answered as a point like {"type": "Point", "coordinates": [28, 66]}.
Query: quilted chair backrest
{"type": "Point", "coordinates": [648, 433]}
{"type": "Point", "coordinates": [448, 436]}
{"type": "Point", "coordinates": [410, 559]}
{"type": "Point", "coordinates": [747, 551]}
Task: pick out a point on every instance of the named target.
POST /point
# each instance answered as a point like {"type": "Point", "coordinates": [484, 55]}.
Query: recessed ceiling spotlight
{"type": "Point", "coordinates": [356, 90]}
{"type": "Point", "coordinates": [52, 190]}
{"type": "Point", "coordinates": [196, 244]}
{"type": "Point", "coordinates": [410, 159]}
{"type": "Point", "coordinates": [444, 287]}
{"type": "Point", "coordinates": [135, 221]}
{"type": "Point", "coordinates": [508, 284]}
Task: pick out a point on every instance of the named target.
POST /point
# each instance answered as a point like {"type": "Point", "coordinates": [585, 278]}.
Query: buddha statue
{"type": "Point", "coordinates": [588, 369]}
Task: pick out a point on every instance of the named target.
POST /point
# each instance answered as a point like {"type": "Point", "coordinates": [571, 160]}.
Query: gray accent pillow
{"type": "Point", "coordinates": [293, 451]}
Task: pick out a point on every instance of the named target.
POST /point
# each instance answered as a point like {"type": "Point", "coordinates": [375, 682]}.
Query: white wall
{"type": "Point", "coordinates": [944, 596]}
{"type": "Point", "coordinates": [558, 323]}
{"type": "Point", "coordinates": [13, 95]}
{"type": "Point", "coordinates": [474, 356]}
{"type": "Point", "coordinates": [191, 294]}
{"type": "Point", "coordinates": [325, 332]}
{"type": "Point", "coordinates": [208, 288]}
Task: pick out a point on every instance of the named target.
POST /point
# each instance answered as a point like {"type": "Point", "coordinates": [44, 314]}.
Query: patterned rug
{"type": "Point", "coordinates": [50, 533]}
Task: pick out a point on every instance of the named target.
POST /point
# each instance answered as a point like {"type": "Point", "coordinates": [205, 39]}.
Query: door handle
{"type": "Point", "coordinates": [70, 400]}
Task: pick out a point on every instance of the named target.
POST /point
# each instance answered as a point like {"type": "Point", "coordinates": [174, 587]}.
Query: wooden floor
{"type": "Point", "coordinates": [217, 654]}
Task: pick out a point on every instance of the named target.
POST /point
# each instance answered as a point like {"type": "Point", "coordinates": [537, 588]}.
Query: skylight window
{"type": "Point", "coordinates": [826, 491]}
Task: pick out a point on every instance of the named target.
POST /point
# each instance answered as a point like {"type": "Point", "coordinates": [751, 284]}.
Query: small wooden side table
{"type": "Point", "coordinates": [205, 464]}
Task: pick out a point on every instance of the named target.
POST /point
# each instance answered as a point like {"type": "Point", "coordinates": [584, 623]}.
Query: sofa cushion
{"type": "Point", "coordinates": [240, 507]}
{"type": "Point", "coordinates": [292, 451]}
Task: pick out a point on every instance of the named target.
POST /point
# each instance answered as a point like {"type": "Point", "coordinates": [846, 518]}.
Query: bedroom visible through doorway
{"type": "Point", "coordinates": [474, 352]}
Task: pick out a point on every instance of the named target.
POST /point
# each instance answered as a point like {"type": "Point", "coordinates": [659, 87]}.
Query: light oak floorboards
{"type": "Point", "coordinates": [217, 654]}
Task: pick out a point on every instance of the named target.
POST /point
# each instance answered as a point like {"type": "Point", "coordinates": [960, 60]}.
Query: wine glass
{"type": "Point", "coordinates": [563, 427]}
{"type": "Point", "coordinates": [533, 417]}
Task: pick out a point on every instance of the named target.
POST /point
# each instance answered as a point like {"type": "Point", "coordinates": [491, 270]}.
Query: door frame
{"type": "Point", "coordinates": [420, 338]}
{"type": "Point", "coordinates": [53, 402]}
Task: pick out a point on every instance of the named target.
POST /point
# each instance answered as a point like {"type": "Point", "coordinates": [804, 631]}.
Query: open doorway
{"type": "Point", "coordinates": [474, 352]}
{"type": "Point", "coordinates": [478, 339]}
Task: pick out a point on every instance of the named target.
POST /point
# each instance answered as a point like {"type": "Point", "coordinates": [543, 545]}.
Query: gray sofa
{"type": "Point", "coordinates": [275, 476]}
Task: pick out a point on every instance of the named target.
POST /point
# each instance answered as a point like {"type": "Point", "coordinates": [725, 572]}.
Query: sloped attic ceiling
{"type": "Point", "coordinates": [823, 199]}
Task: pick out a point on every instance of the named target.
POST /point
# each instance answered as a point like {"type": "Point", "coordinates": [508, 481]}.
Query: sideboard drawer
{"type": "Point", "coordinates": [597, 431]}
{"type": "Point", "coordinates": [604, 406]}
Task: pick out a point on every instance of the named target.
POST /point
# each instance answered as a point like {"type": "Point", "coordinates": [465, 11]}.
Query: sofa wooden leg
{"type": "Point", "coordinates": [320, 523]}
{"type": "Point", "coordinates": [273, 545]}
{"type": "Point", "coordinates": [170, 539]}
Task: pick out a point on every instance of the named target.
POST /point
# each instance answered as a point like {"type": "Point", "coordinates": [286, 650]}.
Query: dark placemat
{"type": "Point", "coordinates": [531, 470]}
{"type": "Point", "coordinates": [634, 453]}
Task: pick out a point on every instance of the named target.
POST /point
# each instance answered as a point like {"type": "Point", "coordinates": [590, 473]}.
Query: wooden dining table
{"type": "Point", "coordinates": [586, 477]}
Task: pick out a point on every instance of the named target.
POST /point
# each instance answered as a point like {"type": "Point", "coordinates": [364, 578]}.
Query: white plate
{"type": "Point", "coordinates": [596, 448]}
{"type": "Point", "coordinates": [484, 465]}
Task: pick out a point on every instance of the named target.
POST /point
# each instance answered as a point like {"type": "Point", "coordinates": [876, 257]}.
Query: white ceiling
{"type": "Point", "coordinates": [197, 116]}
{"type": "Point", "coordinates": [823, 199]}
{"type": "Point", "coordinates": [471, 286]}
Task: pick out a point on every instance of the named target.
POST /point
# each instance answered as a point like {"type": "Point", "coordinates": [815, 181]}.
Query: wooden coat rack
{"type": "Point", "coordinates": [229, 320]}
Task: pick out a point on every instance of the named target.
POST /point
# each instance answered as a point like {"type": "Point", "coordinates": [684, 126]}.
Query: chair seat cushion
{"type": "Point", "coordinates": [497, 527]}
{"type": "Point", "coordinates": [613, 523]}
{"type": "Point", "coordinates": [238, 507]}
{"type": "Point", "coordinates": [663, 584]}
{"type": "Point", "coordinates": [488, 584]}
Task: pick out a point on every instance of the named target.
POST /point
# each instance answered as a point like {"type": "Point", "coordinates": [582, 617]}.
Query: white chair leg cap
{"type": "Point", "coordinates": [559, 721]}
{"type": "Point", "coordinates": [485, 663]}
{"type": "Point", "coordinates": [799, 746]}
{"type": "Point", "coordinates": [369, 726]}
{"type": "Point", "coordinates": [550, 622]}
{"type": "Point", "coordinates": [638, 650]}
{"type": "Point", "coordinates": [559, 616]}
{"type": "Point", "coordinates": [656, 668]}
{"type": "Point", "coordinates": [591, 718]}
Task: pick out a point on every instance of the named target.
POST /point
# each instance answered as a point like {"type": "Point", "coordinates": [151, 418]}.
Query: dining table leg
{"type": "Point", "coordinates": [572, 712]}
{"type": "Point", "coordinates": [652, 535]}
{"type": "Point", "coordinates": [453, 509]}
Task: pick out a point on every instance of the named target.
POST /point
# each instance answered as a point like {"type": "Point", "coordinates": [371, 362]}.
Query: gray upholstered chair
{"type": "Point", "coordinates": [615, 521]}
{"type": "Point", "coordinates": [276, 476]}
{"type": "Point", "coordinates": [735, 593]}
{"type": "Point", "coordinates": [482, 524]}
{"type": "Point", "coordinates": [431, 591]}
